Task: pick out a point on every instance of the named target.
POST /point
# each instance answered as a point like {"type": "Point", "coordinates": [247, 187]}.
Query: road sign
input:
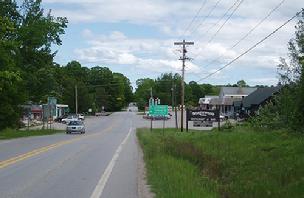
{"type": "Point", "coordinates": [158, 110]}
{"type": "Point", "coordinates": [205, 117]}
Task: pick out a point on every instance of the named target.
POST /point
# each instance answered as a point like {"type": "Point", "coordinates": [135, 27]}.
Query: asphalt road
{"type": "Point", "coordinates": [100, 163]}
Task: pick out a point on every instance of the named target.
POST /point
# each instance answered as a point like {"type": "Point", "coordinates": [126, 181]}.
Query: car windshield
{"type": "Point", "coordinates": [75, 123]}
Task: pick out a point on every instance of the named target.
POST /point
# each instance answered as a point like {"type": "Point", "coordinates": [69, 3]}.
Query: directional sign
{"type": "Point", "coordinates": [158, 110]}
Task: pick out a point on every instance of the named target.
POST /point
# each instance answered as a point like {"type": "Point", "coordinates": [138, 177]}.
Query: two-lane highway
{"type": "Point", "coordinates": [101, 163]}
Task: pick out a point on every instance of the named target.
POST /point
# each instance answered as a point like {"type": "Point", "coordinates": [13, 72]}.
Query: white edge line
{"type": "Point", "coordinates": [105, 176]}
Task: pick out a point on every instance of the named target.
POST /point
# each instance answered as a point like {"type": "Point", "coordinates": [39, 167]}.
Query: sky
{"type": "Point", "coordinates": [136, 37]}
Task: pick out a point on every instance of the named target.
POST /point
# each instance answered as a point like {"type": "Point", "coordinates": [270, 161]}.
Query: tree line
{"type": "Point", "coordinates": [167, 88]}
{"type": "Point", "coordinates": [28, 71]}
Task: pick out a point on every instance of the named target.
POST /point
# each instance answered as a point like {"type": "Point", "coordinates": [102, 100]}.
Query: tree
{"type": "Point", "coordinates": [289, 103]}
{"type": "Point", "coordinates": [142, 93]}
{"type": "Point", "coordinates": [36, 33]}
{"type": "Point", "coordinates": [241, 83]}
{"type": "Point", "coordinates": [11, 92]}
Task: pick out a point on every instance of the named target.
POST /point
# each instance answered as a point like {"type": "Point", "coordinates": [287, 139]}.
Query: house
{"type": "Point", "coordinates": [226, 99]}
{"type": "Point", "coordinates": [32, 111]}
{"type": "Point", "coordinates": [258, 98]}
{"type": "Point", "coordinates": [236, 92]}
{"type": "Point", "coordinates": [204, 103]}
{"type": "Point", "coordinates": [61, 109]}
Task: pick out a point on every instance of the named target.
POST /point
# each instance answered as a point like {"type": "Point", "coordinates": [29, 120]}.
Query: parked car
{"type": "Point", "coordinates": [59, 119]}
{"type": "Point", "coordinates": [98, 114]}
{"type": "Point", "coordinates": [70, 118]}
{"type": "Point", "coordinates": [75, 126]}
{"type": "Point", "coordinates": [80, 116]}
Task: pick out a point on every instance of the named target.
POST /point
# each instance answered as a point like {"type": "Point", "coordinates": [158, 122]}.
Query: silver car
{"type": "Point", "coordinates": [75, 127]}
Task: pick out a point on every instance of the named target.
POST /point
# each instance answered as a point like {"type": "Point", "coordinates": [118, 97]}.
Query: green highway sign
{"type": "Point", "coordinates": [158, 110]}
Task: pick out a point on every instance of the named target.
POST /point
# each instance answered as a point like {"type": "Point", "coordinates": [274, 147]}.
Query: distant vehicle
{"type": "Point", "coordinates": [75, 126]}
{"type": "Point", "coordinates": [59, 119]}
{"type": "Point", "coordinates": [98, 114]}
{"type": "Point", "coordinates": [80, 116]}
{"type": "Point", "coordinates": [70, 118]}
{"type": "Point", "coordinates": [132, 107]}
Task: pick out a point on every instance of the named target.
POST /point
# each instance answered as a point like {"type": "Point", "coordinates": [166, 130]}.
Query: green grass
{"type": "Point", "coordinates": [12, 134]}
{"type": "Point", "coordinates": [241, 163]}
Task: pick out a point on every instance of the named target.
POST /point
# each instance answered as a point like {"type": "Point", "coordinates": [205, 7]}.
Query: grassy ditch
{"type": "Point", "coordinates": [12, 134]}
{"type": "Point", "coordinates": [239, 163]}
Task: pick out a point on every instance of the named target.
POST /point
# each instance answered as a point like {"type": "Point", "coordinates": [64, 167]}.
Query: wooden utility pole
{"type": "Point", "coordinates": [76, 100]}
{"type": "Point", "coordinates": [183, 59]}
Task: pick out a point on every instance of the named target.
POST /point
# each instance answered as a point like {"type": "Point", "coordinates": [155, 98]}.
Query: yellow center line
{"type": "Point", "coordinates": [44, 149]}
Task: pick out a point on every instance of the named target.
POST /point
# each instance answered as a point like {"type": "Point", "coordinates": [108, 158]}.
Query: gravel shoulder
{"type": "Point", "coordinates": [144, 190]}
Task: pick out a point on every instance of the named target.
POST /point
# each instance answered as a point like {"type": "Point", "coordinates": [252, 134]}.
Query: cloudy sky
{"type": "Point", "coordinates": [136, 37]}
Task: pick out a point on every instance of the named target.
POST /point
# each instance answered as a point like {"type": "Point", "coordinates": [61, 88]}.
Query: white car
{"type": "Point", "coordinates": [69, 119]}
{"type": "Point", "coordinates": [80, 116]}
{"type": "Point", "coordinates": [75, 126]}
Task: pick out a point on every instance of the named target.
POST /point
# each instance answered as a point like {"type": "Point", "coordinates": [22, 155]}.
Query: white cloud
{"type": "Point", "coordinates": [126, 58]}
{"type": "Point", "coordinates": [169, 19]}
{"type": "Point", "coordinates": [263, 81]}
{"type": "Point", "coordinates": [116, 48]}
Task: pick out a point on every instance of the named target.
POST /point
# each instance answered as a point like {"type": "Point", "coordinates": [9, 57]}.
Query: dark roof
{"type": "Point", "coordinates": [237, 90]}
{"type": "Point", "coordinates": [260, 95]}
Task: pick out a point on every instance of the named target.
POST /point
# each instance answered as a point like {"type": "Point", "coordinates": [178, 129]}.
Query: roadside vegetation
{"type": "Point", "coordinates": [262, 157]}
{"type": "Point", "coordinates": [286, 110]}
{"type": "Point", "coordinates": [12, 134]}
{"type": "Point", "coordinates": [239, 162]}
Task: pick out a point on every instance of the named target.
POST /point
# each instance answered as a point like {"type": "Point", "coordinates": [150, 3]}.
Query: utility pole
{"type": "Point", "coordinates": [174, 103]}
{"type": "Point", "coordinates": [151, 92]}
{"type": "Point", "coordinates": [76, 100]}
{"type": "Point", "coordinates": [183, 59]}
{"type": "Point", "coordinates": [151, 102]}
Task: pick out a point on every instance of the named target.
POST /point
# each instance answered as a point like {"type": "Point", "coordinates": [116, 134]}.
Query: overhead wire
{"type": "Point", "coordinates": [208, 15]}
{"type": "Point", "coordinates": [258, 24]}
{"type": "Point", "coordinates": [194, 18]}
{"type": "Point", "coordinates": [229, 17]}
{"type": "Point", "coordinates": [250, 31]}
{"type": "Point", "coordinates": [220, 19]}
{"type": "Point", "coordinates": [251, 48]}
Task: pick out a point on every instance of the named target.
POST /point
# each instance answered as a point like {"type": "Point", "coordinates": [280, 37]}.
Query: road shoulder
{"type": "Point", "coordinates": [144, 190]}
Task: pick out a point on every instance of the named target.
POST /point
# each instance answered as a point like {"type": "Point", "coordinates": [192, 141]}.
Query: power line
{"type": "Point", "coordinates": [195, 17]}
{"type": "Point", "coordinates": [250, 31]}
{"type": "Point", "coordinates": [221, 27]}
{"type": "Point", "coordinates": [258, 24]}
{"type": "Point", "coordinates": [208, 15]}
{"type": "Point", "coordinates": [215, 24]}
{"type": "Point", "coordinates": [251, 48]}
